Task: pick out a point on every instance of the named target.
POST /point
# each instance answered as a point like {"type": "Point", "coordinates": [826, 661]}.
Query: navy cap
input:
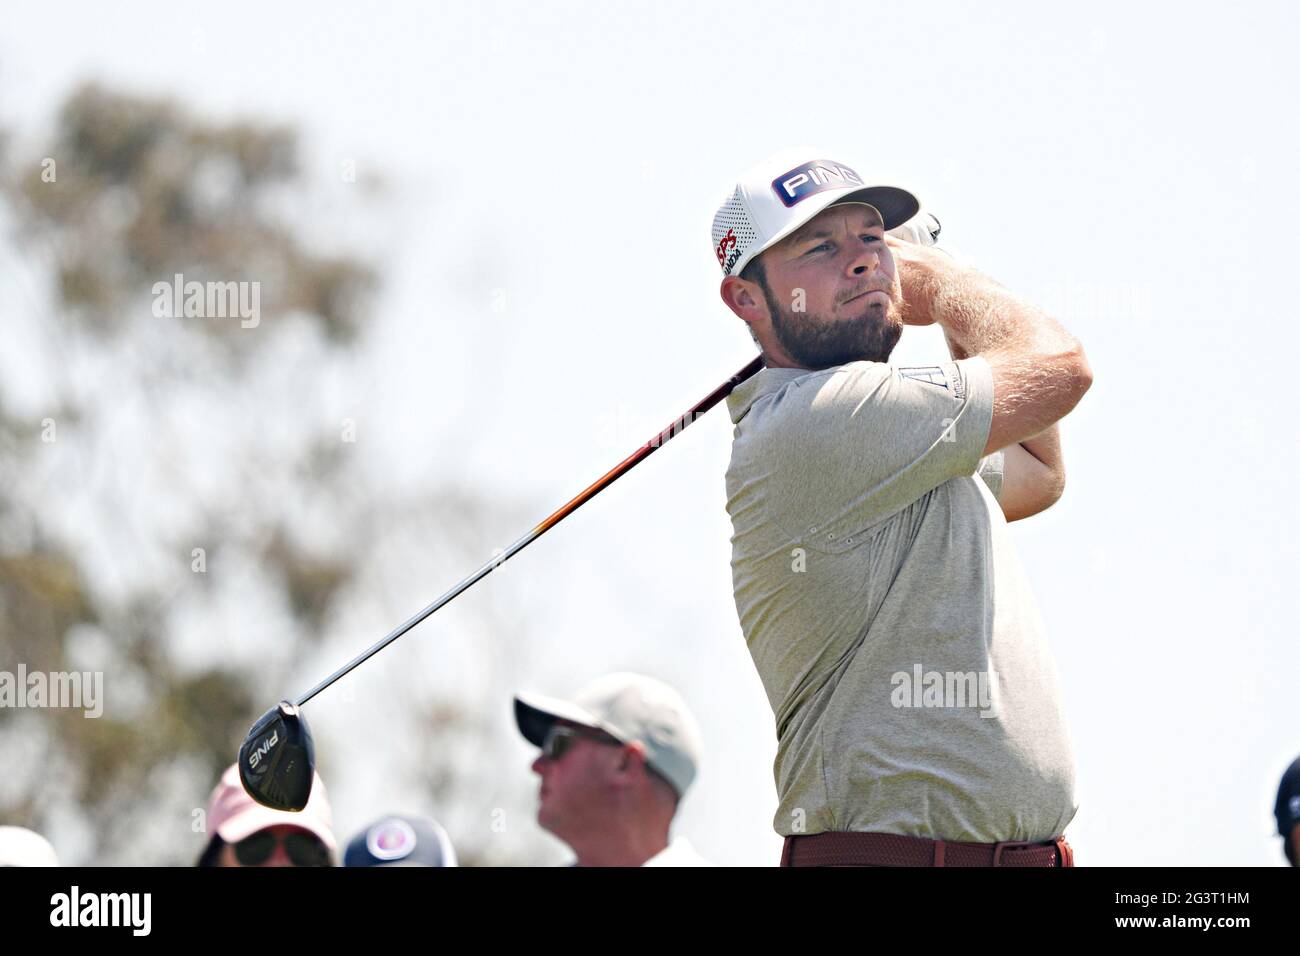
{"type": "Point", "coordinates": [401, 841]}
{"type": "Point", "coordinates": [1287, 807]}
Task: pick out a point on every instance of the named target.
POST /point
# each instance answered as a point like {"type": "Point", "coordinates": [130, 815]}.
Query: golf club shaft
{"type": "Point", "coordinates": [717, 395]}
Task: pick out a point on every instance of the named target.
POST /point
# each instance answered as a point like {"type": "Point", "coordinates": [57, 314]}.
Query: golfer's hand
{"type": "Point", "coordinates": [922, 271]}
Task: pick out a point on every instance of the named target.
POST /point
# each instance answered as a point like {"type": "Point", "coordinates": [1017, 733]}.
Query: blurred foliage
{"type": "Point", "coordinates": [310, 581]}
{"type": "Point", "coordinates": [141, 189]}
{"type": "Point", "coordinates": [41, 595]}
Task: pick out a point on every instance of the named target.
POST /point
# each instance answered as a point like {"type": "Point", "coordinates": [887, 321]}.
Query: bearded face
{"type": "Point", "coordinates": [831, 289]}
{"type": "Point", "coordinates": [865, 327]}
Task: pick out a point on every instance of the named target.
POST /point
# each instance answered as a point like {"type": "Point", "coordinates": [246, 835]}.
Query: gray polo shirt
{"type": "Point", "coordinates": [886, 610]}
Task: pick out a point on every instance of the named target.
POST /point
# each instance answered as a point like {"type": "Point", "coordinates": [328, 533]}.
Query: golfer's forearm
{"type": "Point", "coordinates": [979, 316]}
{"type": "Point", "coordinates": [1045, 446]}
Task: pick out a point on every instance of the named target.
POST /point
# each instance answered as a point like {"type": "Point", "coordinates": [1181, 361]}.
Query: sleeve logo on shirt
{"type": "Point", "coordinates": [928, 373]}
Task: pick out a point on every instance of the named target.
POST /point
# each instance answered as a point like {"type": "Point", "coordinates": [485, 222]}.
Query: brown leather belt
{"type": "Point", "coordinates": [889, 849]}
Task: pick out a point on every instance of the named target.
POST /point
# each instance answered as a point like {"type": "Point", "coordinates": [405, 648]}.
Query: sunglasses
{"type": "Point", "coordinates": [559, 739]}
{"type": "Point", "coordinates": [303, 849]}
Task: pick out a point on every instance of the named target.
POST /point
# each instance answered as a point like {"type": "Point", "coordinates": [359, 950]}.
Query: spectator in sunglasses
{"type": "Point", "coordinates": [245, 833]}
{"type": "Point", "coordinates": [616, 761]}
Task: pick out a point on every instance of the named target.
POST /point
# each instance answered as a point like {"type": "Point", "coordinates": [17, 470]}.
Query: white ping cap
{"type": "Point", "coordinates": [780, 194]}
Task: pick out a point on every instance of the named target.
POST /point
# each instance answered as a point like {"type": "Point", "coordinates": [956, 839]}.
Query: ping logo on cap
{"type": "Point", "coordinates": [812, 178]}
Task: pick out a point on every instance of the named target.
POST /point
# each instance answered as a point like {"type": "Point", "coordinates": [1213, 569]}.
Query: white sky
{"type": "Point", "coordinates": [1128, 166]}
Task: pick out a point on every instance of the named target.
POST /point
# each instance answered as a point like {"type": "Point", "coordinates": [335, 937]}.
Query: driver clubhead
{"type": "Point", "coordinates": [277, 759]}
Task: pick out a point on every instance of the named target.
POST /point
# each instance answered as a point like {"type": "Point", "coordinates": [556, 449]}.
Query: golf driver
{"type": "Point", "coordinates": [277, 758]}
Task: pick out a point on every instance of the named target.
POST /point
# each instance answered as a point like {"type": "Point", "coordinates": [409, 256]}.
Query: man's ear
{"type": "Point", "coordinates": [633, 751]}
{"type": "Point", "coordinates": [743, 298]}
{"type": "Point", "coordinates": [747, 300]}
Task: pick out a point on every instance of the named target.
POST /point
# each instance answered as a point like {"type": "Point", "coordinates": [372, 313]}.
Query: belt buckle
{"type": "Point", "coordinates": [999, 847]}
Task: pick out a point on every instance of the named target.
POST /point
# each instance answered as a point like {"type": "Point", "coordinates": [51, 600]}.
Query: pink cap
{"type": "Point", "coordinates": [234, 815]}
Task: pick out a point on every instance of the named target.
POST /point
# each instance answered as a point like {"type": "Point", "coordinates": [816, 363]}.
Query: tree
{"type": "Point", "coordinates": [181, 508]}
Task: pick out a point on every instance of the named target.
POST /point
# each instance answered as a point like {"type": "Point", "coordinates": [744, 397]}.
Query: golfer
{"type": "Point", "coordinates": [616, 761]}
{"type": "Point", "coordinates": [917, 705]}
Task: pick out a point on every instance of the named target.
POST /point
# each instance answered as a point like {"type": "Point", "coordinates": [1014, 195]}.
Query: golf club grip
{"type": "Point", "coordinates": [698, 409]}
